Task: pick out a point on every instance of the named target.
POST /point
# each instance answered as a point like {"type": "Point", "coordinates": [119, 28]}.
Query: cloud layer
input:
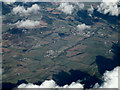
{"type": "Point", "coordinates": [50, 84]}
{"type": "Point", "coordinates": [110, 79]}
{"type": "Point", "coordinates": [66, 8]}
{"type": "Point", "coordinates": [21, 10]}
{"type": "Point", "coordinates": [29, 24]}
{"type": "Point", "coordinates": [109, 7]}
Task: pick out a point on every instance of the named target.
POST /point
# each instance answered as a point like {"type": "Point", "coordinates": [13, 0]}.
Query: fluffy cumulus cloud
{"type": "Point", "coordinates": [110, 7]}
{"type": "Point", "coordinates": [21, 10]}
{"type": "Point", "coordinates": [66, 8]}
{"type": "Point", "coordinates": [50, 84]}
{"type": "Point", "coordinates": [82, 27]}
{"type": "Point", "coordinates": [110, 79]}
{"type": "Point", "coordinates": [29, 24]}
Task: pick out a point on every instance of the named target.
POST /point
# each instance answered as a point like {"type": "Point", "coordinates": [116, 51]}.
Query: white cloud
{"type": "Point", "coordinates": [66, 8]}
{"type": "Point", "coordinates": [82, 27]}
{"type": "Point", "coordinates": [50, 84]}
{"type": "Point", "coordinates": [109, 7]}
{"type": "Point", "coordinates": [27, 24]}
{"type": "Point", "coordinates": [21, 10]}
{"type": "Point", "coordinates": [110, 79]}
{"type": "Point", "coordinates": [81, 30]}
